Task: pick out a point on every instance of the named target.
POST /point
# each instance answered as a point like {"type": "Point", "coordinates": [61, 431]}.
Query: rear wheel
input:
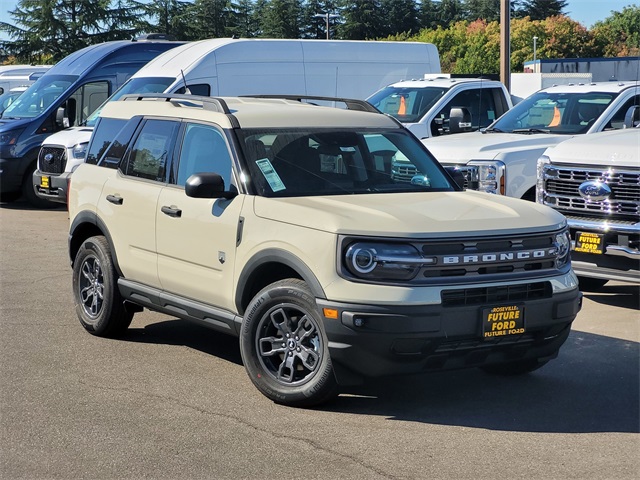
{"type": "Point", "coordinates": [98, 302]}
{"type": "Point", "coordinates": [284, 348]}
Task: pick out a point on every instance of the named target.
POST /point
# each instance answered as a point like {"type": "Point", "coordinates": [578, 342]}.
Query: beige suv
{"type": "Point", "coordinates": [280, 222]}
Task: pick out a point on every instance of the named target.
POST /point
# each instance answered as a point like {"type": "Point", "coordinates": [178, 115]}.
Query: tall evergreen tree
{"type": "Point", "coordinates": [172, 17]}
{"type": "Point", "coordinates": [316, 27]}
{"type": "Point", "coordinates": [52, 29]}
{"type": "Point", "coordinates": [245, 24]}
{"type": "Point", "coordinates": [488, 10]}
{"type": "Point", "coordinates": [362, 20]}
{"type": "Point", "coordinates": [281, 19]}
{"type": "Point", "coordinates": [429, 14]}
{"type": "Point", "coordinates": [212, 18]}
{"type": "Point", "coordinates": [400, 16]}
{"type": "Point", "coordinates": [450, 11]}
{"type": "Point", "coordinates": [542, 9]}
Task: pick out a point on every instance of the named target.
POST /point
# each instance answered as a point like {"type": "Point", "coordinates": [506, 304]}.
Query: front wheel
{"type": "Point", "coordinates": [98, 302]}
{"type": "Point", "coordinates": [284, 348]}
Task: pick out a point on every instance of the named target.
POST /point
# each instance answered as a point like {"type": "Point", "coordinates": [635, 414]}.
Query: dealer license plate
{"type": "Point", "coordinates": [44, 182]}
{"type": "Point", "coordinates": [588, 242]}
{"type": "Point", "coordinates": [502, 321]}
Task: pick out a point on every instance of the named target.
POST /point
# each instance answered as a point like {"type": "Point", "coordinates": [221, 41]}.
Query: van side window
{"type": "Point", "coordinates": [151, 150]}
{"type": "Point", "coordinates": [204, 149]}
{"type": "Point", "coordinates": [85, 100]}
{"type": "Point", "coordinates": [202, 89]}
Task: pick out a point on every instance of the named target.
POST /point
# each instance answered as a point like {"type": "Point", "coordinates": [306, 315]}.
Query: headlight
{"type": "Point", "coordinates": [543, 161]}
{"type": "Point", "coordinates": [384, 261]}
{"type": "Point", "coordinates": [491, 176]}
{"type": "Point", "coordinates": [563, 243]}
{"type": "Point", "coordinates": [80, 150]}
{"type": "Point", "coordinates": [10, 137]}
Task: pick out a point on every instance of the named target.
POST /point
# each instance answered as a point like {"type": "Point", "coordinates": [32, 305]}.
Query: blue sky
{"type": "Point", "coordinates": [587, 12]}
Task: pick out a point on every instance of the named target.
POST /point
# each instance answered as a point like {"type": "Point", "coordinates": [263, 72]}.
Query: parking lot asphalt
{"type": "Point", "coordinates": [171, 400]}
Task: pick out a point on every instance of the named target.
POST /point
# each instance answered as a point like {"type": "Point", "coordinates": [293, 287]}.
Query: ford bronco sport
{"type": "Point", "coordinates": [280, 222]}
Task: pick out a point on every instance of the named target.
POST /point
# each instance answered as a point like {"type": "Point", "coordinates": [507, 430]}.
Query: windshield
{"type": "Point", "coordinates": [564, 113]}
{"type": "Point", "coordinates": [300, 162]}
{"type": "Point", "coordinates": [407, 104]}
{"type": "Point", "coordinates": [39, 96]}
{"type": "Point", "coordinates": [139, 85]}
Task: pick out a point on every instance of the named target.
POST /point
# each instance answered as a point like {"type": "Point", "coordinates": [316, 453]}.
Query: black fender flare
{"type": "Point", "coordinates": [275, 255]}
{"type": "Point", "coordinates": [92, 218]}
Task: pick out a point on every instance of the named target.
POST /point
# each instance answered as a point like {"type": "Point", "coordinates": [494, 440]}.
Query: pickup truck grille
{"type": "Point", "coordinates": [52, 160]}
{"type": "Point", "coordinates": [561, 184]}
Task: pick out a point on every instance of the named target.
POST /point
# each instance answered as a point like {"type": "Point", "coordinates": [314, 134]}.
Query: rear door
{"type": "Point", "coordinates": [129, 199]}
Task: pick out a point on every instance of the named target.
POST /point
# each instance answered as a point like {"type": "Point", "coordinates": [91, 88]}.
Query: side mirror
{"type": "Point", "coordinates": [207, 185]}
{"type": "Point", "coordinates": [66, 113]}
{"type": "Point", "coordinates": [632, 117]}
{"type": "Point", "coordinates": [459, 120]}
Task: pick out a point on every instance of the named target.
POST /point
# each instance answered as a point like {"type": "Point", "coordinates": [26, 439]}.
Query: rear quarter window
{"type": "Point", "coordinates": [104, 133]}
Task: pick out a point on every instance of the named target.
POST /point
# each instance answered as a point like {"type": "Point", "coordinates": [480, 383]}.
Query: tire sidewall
{"type": "Point", "coordinates": [95, 247]}
{"type": "Point", "coordinates": [315, 389]}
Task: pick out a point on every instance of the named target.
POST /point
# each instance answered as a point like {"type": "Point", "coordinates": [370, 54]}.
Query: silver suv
{"type": "Point", "coordinates": [279, 222]}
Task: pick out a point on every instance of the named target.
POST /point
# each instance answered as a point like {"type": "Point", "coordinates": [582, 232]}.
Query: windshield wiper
{"type": "Point", "coordinates": [531, 130]}
{"type": "Point", "coordinates": [492, 130]}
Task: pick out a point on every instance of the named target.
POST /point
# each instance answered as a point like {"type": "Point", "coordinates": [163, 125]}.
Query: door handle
{"type": "Point", "coordinates": [171, 211]}
{"type": "Point", "coordinates": [116, 200]}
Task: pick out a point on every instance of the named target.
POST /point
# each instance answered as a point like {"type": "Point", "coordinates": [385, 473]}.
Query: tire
{"type": "Point", "coordinates": [99, 305]}
{"type": "Point", "coordinates": [589, 284]}
{"type": "Point", "coordinates": [284, 347]}
{"type": "Point", "coordinates": [29, 192]}
{"type": "Point", "coordinates": [520, 367]}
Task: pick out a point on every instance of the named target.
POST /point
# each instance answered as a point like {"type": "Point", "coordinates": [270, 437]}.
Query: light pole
{"type": "Point", "coordinates": [326, 16]}
{"type": "Point", "coordinates": [535, 39]}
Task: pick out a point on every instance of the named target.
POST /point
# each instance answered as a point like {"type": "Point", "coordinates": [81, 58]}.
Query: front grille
{"type": "Point", "coordinates": [52, 160]}
{"type": "Point", "coordinates": [493, 295]}
{"type": "Point", "coordinates": [561, 185]}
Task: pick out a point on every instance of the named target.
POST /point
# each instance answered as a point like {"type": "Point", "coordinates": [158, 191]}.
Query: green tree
{"type": "Point", "coordinates": [52, 29]}
{"type": "Point", "coordinates": [173, 17]}
{"type": "Point", "coordinates": [281, 19]}
{"type": "Point", "coordinates": [488, 10]}
{"type": "Point", "coordinates": [429, 13]}
{"type": "Point", "coordinates": [316, 27]}
{"type": "Point", "coordinates": [450, 11]}
{"type": "Point", "coordinates": [362, 20]}
{"type": "Point", "coordinates": [619, 34]}
{"type": "Point", "coordinates": [203, 11]}
{"type": "Point", "coordinates": [399, 16]}
{"type": "Point", "coordinates": [542, 9]}
{"type": "Point", "coordinates": [245, 24]}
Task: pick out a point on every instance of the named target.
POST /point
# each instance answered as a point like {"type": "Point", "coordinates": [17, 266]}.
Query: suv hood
{"type": "Point", "coordinates": [411, 214]}
{"type": "Point", "coordinates": [488, 146]}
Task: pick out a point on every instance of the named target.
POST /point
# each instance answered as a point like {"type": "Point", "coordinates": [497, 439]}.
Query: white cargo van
{"type": "Point", "coordinates": [13, 76]}
{"type": "Point", "coordinates": [232, 67]}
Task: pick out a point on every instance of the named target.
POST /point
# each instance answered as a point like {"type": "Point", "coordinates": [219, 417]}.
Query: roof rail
{"type": "Point", "coordinates": [207, 103]}
{"type": "Point", "coordinates": [351, 103]}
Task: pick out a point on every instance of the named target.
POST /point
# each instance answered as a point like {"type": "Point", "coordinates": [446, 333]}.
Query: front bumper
{"type": "Point", "coordinates": [54, 187]}
{"type": "Point", "coordinates": [373, 341]}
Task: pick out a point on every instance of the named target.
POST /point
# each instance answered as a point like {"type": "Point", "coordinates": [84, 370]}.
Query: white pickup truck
{"type": "Point", "coordinates": [502, 158]}
{"type": "Point", "coordinates": [440, 104]}
{"type": "Point", "coordinates": [594, 181]}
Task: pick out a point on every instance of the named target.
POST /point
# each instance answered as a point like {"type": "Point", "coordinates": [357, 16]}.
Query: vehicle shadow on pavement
{"type": "Point", "coordinates": [593, 386]}
{"type": "Point", "coordinates": [625, 296]}
{"type": "Point", "coordinates": [188, 334]}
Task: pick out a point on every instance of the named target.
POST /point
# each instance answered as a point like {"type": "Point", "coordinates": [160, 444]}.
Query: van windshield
{"type": "Point", "coordinates": [133, 86]}
{"type": "Point", "coordinates": [39, 96]}
{"type": "Point", "coordinates": [407, 104]}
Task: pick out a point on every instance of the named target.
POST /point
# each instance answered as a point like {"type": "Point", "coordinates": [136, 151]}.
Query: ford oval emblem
{"type": "Point", "coordinates": [594, 191]}
{"type": "Point", "coordinates": [48, 158]}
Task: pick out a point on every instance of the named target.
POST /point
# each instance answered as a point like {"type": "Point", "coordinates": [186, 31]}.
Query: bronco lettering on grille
{"type": "Point", "coordinates": [499, 257]}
